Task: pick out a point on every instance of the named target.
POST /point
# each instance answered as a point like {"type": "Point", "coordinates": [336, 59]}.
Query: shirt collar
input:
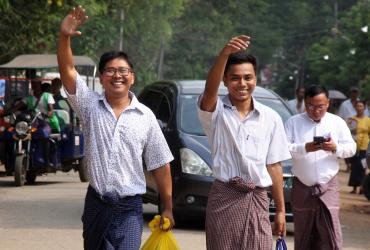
{"type": "Point", "coordinates": [257, 107]}
{"type": "Point", "coordinates": [311, 120]}
{"type": "Point", "coordinates": [135, 104]}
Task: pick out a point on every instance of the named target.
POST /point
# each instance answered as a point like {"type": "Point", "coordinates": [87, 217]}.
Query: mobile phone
{"type": "Point", "coordinates": [319, 139]}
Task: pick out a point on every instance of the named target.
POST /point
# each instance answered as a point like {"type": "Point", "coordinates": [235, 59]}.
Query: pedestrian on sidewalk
{"type": "Point", "coordinates": [297, 104]}
{"type": "Point", "coordinates": [248, 143]}
{"type": "Point", "coordinates": [360, 125]}
{"type": "Point", "coordinates": [316, 139]}
{"type": "Point", "coordinates": [121, 136]}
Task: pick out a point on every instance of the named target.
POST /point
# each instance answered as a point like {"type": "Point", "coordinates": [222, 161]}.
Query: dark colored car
{"type": "Point", "coordinates": [174, 104]}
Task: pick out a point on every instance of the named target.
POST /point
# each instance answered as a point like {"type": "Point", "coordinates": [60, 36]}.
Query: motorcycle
{"type": "Point", "coordinates": [34, 150]}
{"type": "Point", "coordinates": [30, 147]}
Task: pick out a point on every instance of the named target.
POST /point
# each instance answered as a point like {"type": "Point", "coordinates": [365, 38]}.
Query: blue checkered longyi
{"type": "Point", "coordinates": [112, 223]}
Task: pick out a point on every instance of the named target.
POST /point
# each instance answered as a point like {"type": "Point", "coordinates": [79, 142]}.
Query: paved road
{"type": "Point", "coordinates": [47, 216]}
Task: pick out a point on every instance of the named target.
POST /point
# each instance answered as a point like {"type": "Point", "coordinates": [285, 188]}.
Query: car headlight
{"type": "Point", "coordinates": [191, 163]}
{"type": "Point", "coordinates": [21, 127]}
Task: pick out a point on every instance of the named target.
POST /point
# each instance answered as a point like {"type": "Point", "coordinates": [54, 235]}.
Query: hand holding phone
{"type": "Point", "coordinates": [319, 139]}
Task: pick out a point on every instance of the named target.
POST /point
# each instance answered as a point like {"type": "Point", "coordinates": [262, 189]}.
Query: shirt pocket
{"type": "Point", "coordinates": [253, 147]}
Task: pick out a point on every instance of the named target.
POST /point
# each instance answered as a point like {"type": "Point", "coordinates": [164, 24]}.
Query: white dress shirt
{"type": "Point", "coordinates": [244, 147]}
{"type": "Point", "coordinates": [293, 105]}
{"type": "Point", "coordinates": [317, 167]}
{"type": "Point", "coordinates": [116, 149]}
{"type": "Point", "coordinates": [346, 110]}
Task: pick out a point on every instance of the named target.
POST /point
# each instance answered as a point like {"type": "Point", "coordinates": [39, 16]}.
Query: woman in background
{"type": "Point", "coordinates": [360, 127]}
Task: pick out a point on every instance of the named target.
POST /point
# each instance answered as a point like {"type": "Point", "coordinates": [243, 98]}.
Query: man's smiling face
{"type": "Point", "coordinates": [240, 81]}
{"type": "Point", "coordinates": [117, 78]}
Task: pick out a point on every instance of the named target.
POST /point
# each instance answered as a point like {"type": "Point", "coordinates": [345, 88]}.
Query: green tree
{"type": "Point", "coordinates": [349, 52]}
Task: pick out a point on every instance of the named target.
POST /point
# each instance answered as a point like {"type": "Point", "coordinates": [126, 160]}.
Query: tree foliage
{"type": "Point", "coordinates": [181, 38]}
{"type": "Point", "coordinates": [349, 53]}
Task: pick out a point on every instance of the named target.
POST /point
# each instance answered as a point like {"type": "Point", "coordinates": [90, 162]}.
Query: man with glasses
{"type": "Point", "coordinates": [316, 139]}
{"type": "Point", "coordinates": [121, 136]}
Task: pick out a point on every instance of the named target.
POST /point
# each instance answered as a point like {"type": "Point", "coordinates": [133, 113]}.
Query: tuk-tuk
{"type": "Point", "coordinates": [30, 147]}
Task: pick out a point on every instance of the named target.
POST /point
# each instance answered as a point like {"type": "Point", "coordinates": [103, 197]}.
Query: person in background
{"type": "Point", "coordinates": [248, 143]}
{"type": "Point", "coordinates": [61, 104]}
{"type": "Point", "coordinates": [297, 104]}
{"type": "Point", "coordinates": [360, 125]}
{"type": "Point", "coordinates": [56, 85]}
{"type": "Point", "coordinates": [122, 135]}
{"type": "Point", "coordinates": [347, 108]}
{"type": "Point", "coordinates": [316, 139]}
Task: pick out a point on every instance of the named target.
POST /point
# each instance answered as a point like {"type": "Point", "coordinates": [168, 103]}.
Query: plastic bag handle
{"type": "Point", "coordinates": [280, 244]}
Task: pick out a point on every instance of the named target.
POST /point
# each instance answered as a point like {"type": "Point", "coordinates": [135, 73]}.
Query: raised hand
{"type": "Point", "coordinates": [236, 44]}
{"type": "Point", "coordinates": [72, 21]}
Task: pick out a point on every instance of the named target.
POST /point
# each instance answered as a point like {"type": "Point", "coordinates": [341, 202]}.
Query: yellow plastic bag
{"type": "Point", "coordinates": [159, 239]}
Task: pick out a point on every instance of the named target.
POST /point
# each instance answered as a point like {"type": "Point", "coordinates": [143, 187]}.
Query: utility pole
{"type": "Point", "coordinates": [336, 25]}
{"type": "Point", "coordinates": [160, 64]}
{"type": "Point", "coordinates": [122, 18]}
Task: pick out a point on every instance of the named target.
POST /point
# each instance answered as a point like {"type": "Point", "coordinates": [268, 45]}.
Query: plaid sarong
{"type": "Point", "coordinates": [112, 223]}
{"type": "Point", "coordinates": [316, 216]}
{"type": "Point", "coordinates": [237, 217]}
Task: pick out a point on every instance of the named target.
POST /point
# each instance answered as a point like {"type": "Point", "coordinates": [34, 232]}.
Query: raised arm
{"type": "Point", "coordinates": [68, 28]}
{"type": "Point", "coordinates": [215, 75]}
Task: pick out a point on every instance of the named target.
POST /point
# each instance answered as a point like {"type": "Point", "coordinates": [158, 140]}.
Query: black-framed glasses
{"type": "Point", "coordinates": [122, 71]}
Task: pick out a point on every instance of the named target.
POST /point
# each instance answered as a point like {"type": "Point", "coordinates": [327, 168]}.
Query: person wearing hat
{"type": "Point", "coordinates": [347, 108]}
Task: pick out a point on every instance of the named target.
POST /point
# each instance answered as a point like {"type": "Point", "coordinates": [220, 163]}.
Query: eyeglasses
{"type": "Point", "coordinates": [318, 107]}
{"type": "Point", "coordinates": [122, 71]}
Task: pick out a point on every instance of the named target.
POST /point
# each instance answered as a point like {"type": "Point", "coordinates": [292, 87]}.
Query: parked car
{"type": "Point", "coordinates": [174, 104]}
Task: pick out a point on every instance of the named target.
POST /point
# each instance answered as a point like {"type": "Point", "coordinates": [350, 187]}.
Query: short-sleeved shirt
{"type": "Point", "coordinates": [244, 147]}
{"type": "Point", "coordinates": [293, 105]}
{"type": "Point", "coordinates": [117, 149]}
{"type": "Point", "coordinates": [347, 110]}
{"type": "Point", "coordinates": [45, 99]}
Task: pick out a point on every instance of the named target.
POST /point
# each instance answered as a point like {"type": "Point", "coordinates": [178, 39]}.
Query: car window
{"type": "Point", "coordinates": [158, 103]}
{"type": "Point", "coordinates": [189, 122]}
{"type": "Point", "coordinates": [278, 106]}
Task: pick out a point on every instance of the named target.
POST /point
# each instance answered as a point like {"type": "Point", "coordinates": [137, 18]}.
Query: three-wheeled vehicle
{"type": "Point", "coordinates": [30, 147]}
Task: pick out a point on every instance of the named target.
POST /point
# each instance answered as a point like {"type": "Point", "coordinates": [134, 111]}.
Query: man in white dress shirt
{"type": "Point", "coordinates": [297, 104]}
{"type": "Point", "coordinates": [121, 136]}
{"type": "Point", "coordinates": [316, 139]}
{"type": "Point", "coordinates": [247, 142]}
{"type": "Point", "coordinates": [347, 108]}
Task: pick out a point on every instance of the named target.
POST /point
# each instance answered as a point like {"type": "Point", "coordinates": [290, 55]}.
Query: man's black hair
{"type": "Point", "coordinates": [111, 55]}
{"type": "Point", "coordinates": [314, 90]}
{"type": "Point", "coordinates": [240, 58]}
{"type": "Point", "coordinates": [45, 87]}
{"type": "Point", "coordinates": [362, 101]}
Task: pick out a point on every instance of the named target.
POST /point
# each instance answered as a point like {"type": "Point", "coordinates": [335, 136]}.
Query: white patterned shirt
{"type": "Point", "coordinates": [321, 166]}
{"type": "Point", "coordinates": [244, 148]}
{"type": "Point", "coordinates": [117, 149]}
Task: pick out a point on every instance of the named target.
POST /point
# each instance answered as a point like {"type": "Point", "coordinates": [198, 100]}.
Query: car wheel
{"type": "Point", "coordinates": [82, 171]}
